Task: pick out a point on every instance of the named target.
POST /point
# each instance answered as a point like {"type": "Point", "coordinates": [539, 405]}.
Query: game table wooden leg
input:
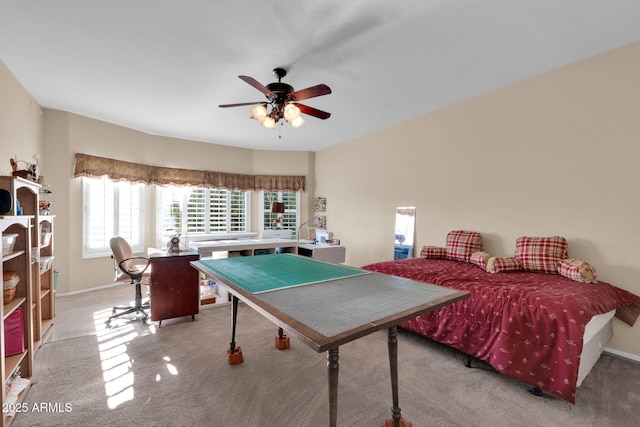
{"type": "Point", "coordinates": [234, 354]}
{"type": "Point", "coordinates": [332, 368]}
{"type": "Point", "coordinates": [392, 342]}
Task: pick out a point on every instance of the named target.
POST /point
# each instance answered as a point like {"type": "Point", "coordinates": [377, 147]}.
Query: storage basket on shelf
{"type": "Point", "coordinates": [10, 280]}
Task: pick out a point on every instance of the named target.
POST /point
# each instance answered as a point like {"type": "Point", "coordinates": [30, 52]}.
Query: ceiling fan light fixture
{"type": "Point", "coordinates": [259, 113]}
{"type": "Point", "coordinates": [291, 112]}
{"type": "Point", "coordinates": [269, 122]}
{"type": "Point", "coordinates": [283, 102]}
{"type": "Point", "coordinates": [297, 122]}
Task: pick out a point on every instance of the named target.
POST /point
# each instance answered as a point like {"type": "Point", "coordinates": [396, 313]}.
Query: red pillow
{"type": "Point", "coordinates": [461, 244]}
{"type": "Point", "coordinates": [541, 254]}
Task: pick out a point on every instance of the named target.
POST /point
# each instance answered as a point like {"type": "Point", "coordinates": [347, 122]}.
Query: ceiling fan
{"type": "Point", "coordinates": [282, 101]}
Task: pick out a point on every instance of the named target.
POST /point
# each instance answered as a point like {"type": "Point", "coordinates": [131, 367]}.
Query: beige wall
{"type": "Point", "coordinates": [20, 123]}
{"type": "Point", "coordinates": [553, 155]}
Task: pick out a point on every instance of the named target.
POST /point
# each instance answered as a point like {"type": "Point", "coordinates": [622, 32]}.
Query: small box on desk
{"type": "Point", "coordinates": [14, 333]}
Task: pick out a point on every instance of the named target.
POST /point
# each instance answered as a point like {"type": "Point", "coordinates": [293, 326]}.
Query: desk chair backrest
{"type": "Point", "coordinates": [121, 252]}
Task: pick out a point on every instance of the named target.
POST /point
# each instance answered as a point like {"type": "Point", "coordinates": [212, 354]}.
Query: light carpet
{"type": "Point", "coordinates": [178, 375]}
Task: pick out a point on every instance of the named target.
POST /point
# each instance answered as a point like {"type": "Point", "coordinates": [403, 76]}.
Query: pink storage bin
{"type": "Point", "coordinates": [14, 333]}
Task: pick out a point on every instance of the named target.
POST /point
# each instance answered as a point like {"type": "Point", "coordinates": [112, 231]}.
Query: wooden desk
{"type": "Point", "coordinates": [174, 287]}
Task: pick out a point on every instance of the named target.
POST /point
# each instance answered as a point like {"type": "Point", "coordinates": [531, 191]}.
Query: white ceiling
{"type": "Point", "coordinates": [164, 66]}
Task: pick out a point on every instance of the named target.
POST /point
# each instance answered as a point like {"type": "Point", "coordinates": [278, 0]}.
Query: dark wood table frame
{"type": "Point", "coordinates": [321, 343]}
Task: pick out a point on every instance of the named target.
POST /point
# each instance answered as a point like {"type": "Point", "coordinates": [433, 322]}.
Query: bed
{"type": "Point", "coordinates": [543, 329]}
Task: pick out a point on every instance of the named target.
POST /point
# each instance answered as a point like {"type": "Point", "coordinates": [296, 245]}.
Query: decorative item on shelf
{"type": "Point", "coordinates": [29, 171]}
{"type": "Point", "coordinates": [277, 208]}
{"type": "Point", "coordinates": [24, 174]}
{"type": "Point", "coordinates": [45, 207]}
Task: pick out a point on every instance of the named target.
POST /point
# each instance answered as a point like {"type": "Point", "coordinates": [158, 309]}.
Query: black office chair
{"type": "Point", "coordinates": [135, 268]}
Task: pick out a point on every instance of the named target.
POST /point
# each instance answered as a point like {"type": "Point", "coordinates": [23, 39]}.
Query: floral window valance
{"type": "Point", "coordinates": [119, 170]}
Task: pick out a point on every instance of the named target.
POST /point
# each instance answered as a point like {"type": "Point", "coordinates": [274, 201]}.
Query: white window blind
{"type": "Point", "coordinates": [218, 211]}
{"type": "Point", "coordinates": [111, 209]}
{"type": "Point", "coordinates": [238, 211]}
{"type": "Point", "coordinates": [196, 216]}
{"type": "Point", "coordinates": [200, 211]}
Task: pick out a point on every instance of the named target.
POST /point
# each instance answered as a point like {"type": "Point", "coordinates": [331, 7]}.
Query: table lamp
{"type": "Point", "coordinates": [277, 208]}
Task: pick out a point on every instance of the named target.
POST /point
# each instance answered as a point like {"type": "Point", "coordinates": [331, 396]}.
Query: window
{"type": "Point", "coordinates": [291, 208]}
{"type": "Point", "coordinates": [111, 209]}
{"type": "Point", "coordinates": [200, 211]}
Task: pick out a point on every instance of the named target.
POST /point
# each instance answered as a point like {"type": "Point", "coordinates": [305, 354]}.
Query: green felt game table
{"type": "Point", "coordinates": [326, 305]}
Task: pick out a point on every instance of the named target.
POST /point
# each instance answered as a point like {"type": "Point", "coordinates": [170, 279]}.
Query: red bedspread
{"type": "Point", "coordinates": [528, 326]}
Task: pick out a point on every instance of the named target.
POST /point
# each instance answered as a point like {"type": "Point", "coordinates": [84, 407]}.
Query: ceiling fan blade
{"type": "Point", "coordinates": [253, 82]}
{"type": "Point", "coordinates": [305, 109]}
{"type": "Point", "coordinates": [242, 104]}
{"type": "Point", "coordinates": [310, 92]}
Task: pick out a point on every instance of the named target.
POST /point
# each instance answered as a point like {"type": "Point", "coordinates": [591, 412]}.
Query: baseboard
{"type": "Point", "coordinates": [97, 288]}
{"type": "Point", "coordinates": [112, 285]}
{"type": "Point", "coordinates": [622, 354]}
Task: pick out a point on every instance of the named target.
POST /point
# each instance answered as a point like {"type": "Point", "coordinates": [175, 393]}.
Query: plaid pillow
{"type": "Point", "coordinates": [541, 254]}
{"type": "Point", "coordinates": [480, 259]}
{"type": "Point", "coordinates": [577, 270]}
{"type": "Point", "coordinates": [461, 244]}
{"type": "Point", "coordinates": [503, 265]}
{"type": "Point", "coordinates": [433, 252]}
